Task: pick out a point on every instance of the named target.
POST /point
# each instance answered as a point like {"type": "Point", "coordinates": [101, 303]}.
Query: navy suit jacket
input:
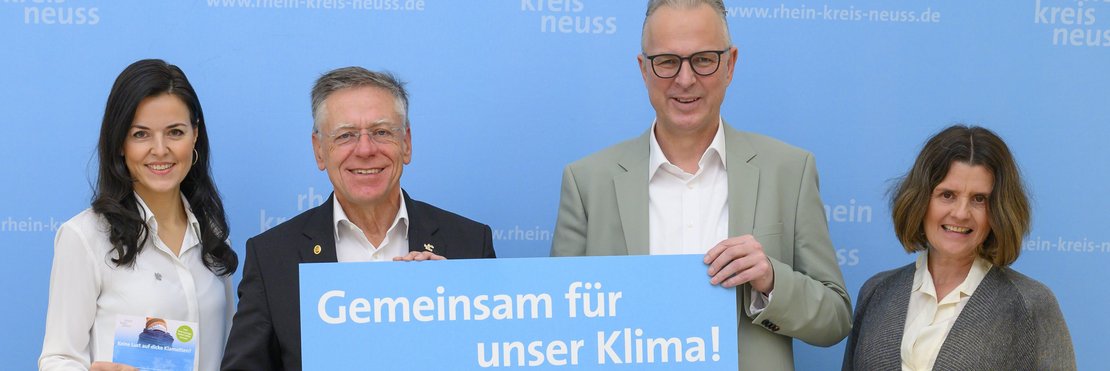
{"type": "Point", "coordinates": [266, 329]}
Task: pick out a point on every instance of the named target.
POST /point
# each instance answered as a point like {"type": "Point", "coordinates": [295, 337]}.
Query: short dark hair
{"type": "Point", "coordinates": [1008, 207]}
{"type": "Point", "coordinates": [114, 196]}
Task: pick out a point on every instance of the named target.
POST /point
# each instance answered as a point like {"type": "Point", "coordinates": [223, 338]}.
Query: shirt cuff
{"type": "Point", "coordinates": [759, 301]}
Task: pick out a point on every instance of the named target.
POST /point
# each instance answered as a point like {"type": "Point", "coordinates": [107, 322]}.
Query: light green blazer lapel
{"type": "Point", "coordinates": [631, 188]}
{"type": "Point", "coordinates": [743, 183]}
{"type": "Point", "coordinates": [632, 191]}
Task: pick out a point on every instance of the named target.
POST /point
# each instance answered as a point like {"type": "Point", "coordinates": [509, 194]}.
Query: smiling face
{"type": "Point", "coordinates": [159, 145]}
{"type": "Point", "coordinates": [364, 173]}
{"type": "Point", "coordinates": [686, 103]}
{"type": "Point", "coordinates": [957, 221]}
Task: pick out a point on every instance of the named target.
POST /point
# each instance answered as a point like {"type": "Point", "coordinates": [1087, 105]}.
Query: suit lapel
{"type": "Point", "coordinates": [743, 183]}
{"type": "Point", "coordinates": [320, 231]}
{"type": "Point", "coordinates": [631, 188]}
{"type": "Point", "coordinates": [422, 230]}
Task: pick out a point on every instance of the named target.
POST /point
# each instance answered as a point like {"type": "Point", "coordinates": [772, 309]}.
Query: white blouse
{"type": "Point", "coordinates": [87, 291]}
{"type": "Point", "coordinates": [928, 318]}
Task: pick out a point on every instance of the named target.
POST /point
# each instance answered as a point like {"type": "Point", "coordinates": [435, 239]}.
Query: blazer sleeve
{"type": "Point", "coordinates": [251, 344]}
{"type": "Point", "coordinates": [1054, 347]}
{"type": "Point", "coordinates": [74, 288]}
{"type": "Point", "coordinates": [862, 302]}
{"type": "Point", "coordinates": [487, 243]}
{"type": "Point", "coordinates": [570, 225]}
{"type": "Point", "coordinates": [809, 300]}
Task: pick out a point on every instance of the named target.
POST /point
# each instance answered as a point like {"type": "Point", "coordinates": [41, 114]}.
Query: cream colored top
{"type": "Point", "coordinates": [929, 319]}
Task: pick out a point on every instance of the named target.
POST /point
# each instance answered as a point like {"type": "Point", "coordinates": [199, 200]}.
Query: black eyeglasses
{"type": "Point", "coordinates": [704, 63]}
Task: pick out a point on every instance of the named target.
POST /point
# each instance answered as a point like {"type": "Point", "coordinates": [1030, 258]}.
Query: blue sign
{"type": "Point", "coordinates": [653, 312]}
{"type": "Point", "coordinates": [860, 83]}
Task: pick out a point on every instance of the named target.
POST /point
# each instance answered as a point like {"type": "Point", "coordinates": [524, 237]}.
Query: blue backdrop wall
{"type": "Point", "coordinates": [505, 93]}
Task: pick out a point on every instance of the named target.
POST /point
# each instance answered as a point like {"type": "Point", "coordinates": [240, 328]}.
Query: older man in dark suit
{"type": "Point", "coordinates": [361, 137]}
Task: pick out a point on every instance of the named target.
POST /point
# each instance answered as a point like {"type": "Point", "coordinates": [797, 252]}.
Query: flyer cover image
{"type": "Point", "coordinates": [155, 344]}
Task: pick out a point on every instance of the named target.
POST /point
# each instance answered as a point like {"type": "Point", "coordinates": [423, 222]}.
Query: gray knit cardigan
{"type": "Point", "coordinates": [1011, 322]}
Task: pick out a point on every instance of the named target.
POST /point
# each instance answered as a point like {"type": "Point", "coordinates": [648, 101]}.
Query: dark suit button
{"type": "Point", "coordinates": [766, 323]}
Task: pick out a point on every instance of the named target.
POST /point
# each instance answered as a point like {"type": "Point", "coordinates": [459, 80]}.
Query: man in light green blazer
{"type": "Point", "coordinates": [692, 178]}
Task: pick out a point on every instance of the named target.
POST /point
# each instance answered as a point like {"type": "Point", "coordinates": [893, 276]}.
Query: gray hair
{"type": "Point", "coordinates": [357, 77]}
{"type": "Point", "coordinates": [718, 7]}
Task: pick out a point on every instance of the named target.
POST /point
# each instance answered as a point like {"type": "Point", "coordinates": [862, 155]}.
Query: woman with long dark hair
{"type": "Point", "coordinates": [154, 243]}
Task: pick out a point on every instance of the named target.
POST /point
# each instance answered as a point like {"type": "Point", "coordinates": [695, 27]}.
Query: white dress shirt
{"type": "Point", "coordinates": [351, 244]}
{"type": "Point", "coordinates": [88, 291]}
{"type": "Point", "coordinates": [929, 319]}
{"type": "Point", "coordinates": [687, 213]}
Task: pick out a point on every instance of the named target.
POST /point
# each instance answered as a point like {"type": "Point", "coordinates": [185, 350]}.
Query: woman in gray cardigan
{"type": "Point", "coordinates": [959, 306]}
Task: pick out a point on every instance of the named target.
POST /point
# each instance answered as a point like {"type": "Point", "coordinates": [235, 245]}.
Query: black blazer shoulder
{"type": "Point", "coordinates": [430, 229]}
{"type": "Point", "coordinates": [265, 332]}
{"type": "Point", "coordinates": [447, 234]}
{"type": "Point", "coordinates": [313, 220]}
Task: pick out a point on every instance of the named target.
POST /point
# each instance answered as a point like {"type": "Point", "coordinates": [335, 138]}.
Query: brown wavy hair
{"type": "Point", "coordinates": [1008, 208]}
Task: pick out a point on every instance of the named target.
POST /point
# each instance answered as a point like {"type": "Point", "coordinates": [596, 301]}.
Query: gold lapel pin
{"type": "Point", "coordinates": [316, 249]}
{"type": "Point", "coordinates": [429, 247]}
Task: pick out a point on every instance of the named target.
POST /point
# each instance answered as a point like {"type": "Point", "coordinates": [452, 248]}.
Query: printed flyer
{"type": "Point", "coordinates": [155, 344]}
